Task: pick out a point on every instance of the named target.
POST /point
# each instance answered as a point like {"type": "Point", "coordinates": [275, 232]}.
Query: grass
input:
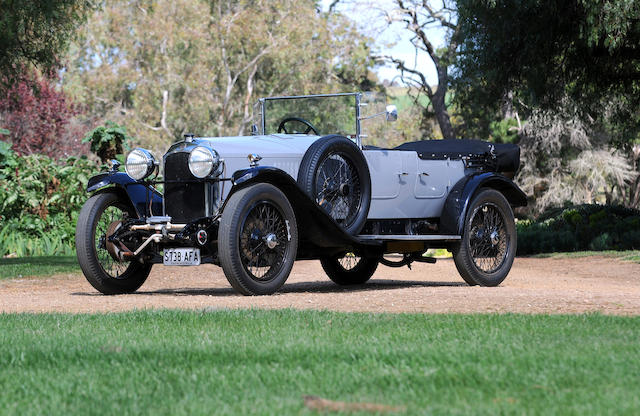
{"type": "Point", "coordinates": [264, 362]}
{"type": "Point", "coordinates": [37, 266]}
{"type": "Point", "coordinates": [626, 255]}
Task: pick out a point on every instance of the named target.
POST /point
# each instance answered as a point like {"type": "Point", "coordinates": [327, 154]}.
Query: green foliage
{"type": "Point", "coordinates": [579, 228]}
{"type": "Point", "coordinates": [192, 75]}
{"type": "Point", "coordinates": [7, 158]}
{"type": "Point", "coordinates": [192, 363]}
{"type": "Point", "coordinates": [5, 132]}
{"type": "Point", "coordinates": [36, 32]}
{"type": "Point", "coordinates": [108, 141]}
{"type": "Point", "coordinates": [539, 52]}
{"type": "Point", "coordinates": [504, 131]}
{"type": "Point", "coordinates": [39, 202]}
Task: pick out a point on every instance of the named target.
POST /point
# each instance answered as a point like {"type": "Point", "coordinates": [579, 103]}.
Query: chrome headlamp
{"type": "Point", "coordinates": [203, 161]}
{"type": "Point", "coordinates": [140, 164]}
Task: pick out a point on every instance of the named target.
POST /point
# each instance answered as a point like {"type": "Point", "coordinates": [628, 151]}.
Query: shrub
{"type": "Point", "coordinates": [39, 202]}
{"type": "Point", "coordinates": [582, 227]}
{"type": "Point", "coordinates": [40, 118]}
{"type": "Point", "coordinates": [108, 141]}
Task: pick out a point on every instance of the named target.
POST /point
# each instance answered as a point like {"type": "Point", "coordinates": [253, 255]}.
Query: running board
{"type": "Point", "coordinates": [404, 237]}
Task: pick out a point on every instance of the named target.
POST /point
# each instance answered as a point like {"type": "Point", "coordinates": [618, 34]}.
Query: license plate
{"type": "Point", "coordinates": [181, 257]}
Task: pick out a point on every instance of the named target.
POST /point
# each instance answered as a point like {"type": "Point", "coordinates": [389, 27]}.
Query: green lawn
{"type": "Point", "coordinates": [626, 255]}
{"type": "Point", "coordinates": [37, 266]}
{"type": "Point", "coordinates": [264, 362]}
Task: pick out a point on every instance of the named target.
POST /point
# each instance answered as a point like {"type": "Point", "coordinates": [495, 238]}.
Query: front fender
{"type": "Point", "coordinates": [316, 228]}
{"type": "Point", "coordinates": [458, 200]}
{"type": "Point", "coordinates": [139, 193]}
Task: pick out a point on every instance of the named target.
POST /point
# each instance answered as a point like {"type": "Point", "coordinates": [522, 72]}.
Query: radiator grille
{"type": "Point", "coordinates": [183, 202]}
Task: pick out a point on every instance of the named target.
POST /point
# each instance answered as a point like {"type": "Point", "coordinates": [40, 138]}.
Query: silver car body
{"type": "Point", "coordinates": [403, 185]}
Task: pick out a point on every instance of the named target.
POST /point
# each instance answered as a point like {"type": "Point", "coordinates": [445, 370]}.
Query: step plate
{"type": "Point", "coordinates": [403, 237]}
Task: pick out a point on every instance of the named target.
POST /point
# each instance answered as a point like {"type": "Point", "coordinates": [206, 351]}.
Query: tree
{"type": "Point", "coordinates": [564, 160]}
{"type": "Point", "coordinates": [35, 33]}
{"type": "Point", "coordinates": [418, 16]}
{"type": "Point", "coordinates": [571, 63]}
{"type": "Point", "coordinates": [165, 68]}
{"type": "Point", "coordinates": [540, 52]}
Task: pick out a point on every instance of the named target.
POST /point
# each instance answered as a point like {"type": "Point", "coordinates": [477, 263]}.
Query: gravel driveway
{"type": "Point", "coordinates": [552, 285]}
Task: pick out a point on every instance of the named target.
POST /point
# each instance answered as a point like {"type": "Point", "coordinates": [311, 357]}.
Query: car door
{"type": "Point", "coordinates": [432, 179]}
{"type": "Point", "coordinates": [385, 168]}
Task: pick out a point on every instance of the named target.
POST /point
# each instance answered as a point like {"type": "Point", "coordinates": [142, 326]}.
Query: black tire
{"type": "Point", "coordinates": [103, 272]}
{"type": "Point", "coordinates": [349, 269]}
{"type": "Point", "coordinates": [346, 198]}
{"type": "Point", "coordinates": [485, 254]}
{"type": "Point", "coordinates": [251, 217]}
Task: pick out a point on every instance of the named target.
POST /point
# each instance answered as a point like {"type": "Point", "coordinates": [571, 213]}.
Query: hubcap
{"type": "Point", "coordinates": [108, 253]}
{"type": "Point", "coordinates": [261, 249]}
{"type": "Point", "coordinates": [113, 250]}
{"type": "Point", "coordinates": [338, 188]}
{"type": "Point", "coordinates": [495, 238]}
{"type": "Point", "coordinates": [271, 240]}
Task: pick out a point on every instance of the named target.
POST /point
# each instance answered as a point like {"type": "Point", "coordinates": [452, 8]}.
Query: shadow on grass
{"type": "Point", "coordinates": [301, 287]}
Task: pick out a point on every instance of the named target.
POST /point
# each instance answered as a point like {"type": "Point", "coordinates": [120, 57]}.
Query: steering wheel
{"type": "Point", "coordinates": [310, 127]}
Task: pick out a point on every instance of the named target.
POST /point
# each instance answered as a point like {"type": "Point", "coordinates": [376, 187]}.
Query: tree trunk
{"type": "Point", "coordinates": [438, 102]}
{"type": "Point", "coordinates": [440, 109]}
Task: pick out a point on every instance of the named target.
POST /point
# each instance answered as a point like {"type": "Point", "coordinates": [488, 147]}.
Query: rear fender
{"type": "Point", "coordinates": [458, 200]}
{"type": "Point", "coordinates": [135, 193]}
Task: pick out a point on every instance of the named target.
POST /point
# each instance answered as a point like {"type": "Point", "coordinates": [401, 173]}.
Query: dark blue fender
{"type": "Point", "coordinates": [136, 193]}
{"type": "Point", "coordinates": [458, 200]}
{"type": "Point", "coordinates": [316, 228]}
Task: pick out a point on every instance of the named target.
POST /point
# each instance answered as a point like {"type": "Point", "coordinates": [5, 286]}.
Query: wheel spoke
{"type": "Point", "coordinates": [349, 261]}
{"type": "Point", "coordinates": [259, 260]}
{"type": "Point", "coordinates": [488, 240]}
{"type": "Point", "coordinates": [111, 266]}
{"type": "Point", "coordinates": [336, 175]}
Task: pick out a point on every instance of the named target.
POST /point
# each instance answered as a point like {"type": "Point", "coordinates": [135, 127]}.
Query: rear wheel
{"type": "Point", "coordinates": [99, 218]}
{"type": "Point", "coordinates": [349, 268]}
{"type": "Point", "coordinates": [257, 239]}
{"type": "Point", "coordinates": [488, 246]}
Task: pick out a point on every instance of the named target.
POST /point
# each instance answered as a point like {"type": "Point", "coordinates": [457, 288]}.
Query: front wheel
{"type": "Point", "coordinates": [488, 247]}
{"type": "Point", "coordinates": [257, 239]}
{"type": "Point", "coordinates": [99, 218]}
{"type": "Point", "coordinates": [349, 268]}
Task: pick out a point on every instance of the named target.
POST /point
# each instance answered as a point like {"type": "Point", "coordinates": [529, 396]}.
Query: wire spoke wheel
{"type": "Point", "coordinates": [257, 239]}
{"type": "Point", "coordinates": [350, 268]}
{"type": "Point", "coordinates": [489, 242]}
{"type": "Point", "coordinates": [107, 221]}
{"type": "Point", "coordinates": [100, 217]}
{"type": "Point", "coordinates": [350, 261]}
{"type": "Point", "coordinates": [263, 241]}
{"type": "Point", "coordinates": [489, 238]}
{"type": "Point", "coordinates": [338, 188]}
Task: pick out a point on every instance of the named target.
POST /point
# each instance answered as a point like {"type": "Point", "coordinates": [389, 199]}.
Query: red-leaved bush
{"type": "Point", "coordinates": [40, 119]}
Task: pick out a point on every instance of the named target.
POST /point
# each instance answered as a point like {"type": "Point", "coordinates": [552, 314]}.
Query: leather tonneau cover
{"type": "Point", "coordinates": [507, 155]}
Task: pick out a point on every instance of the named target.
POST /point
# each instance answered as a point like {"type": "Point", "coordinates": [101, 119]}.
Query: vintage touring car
{"type": "Point", "coordinates": [304, 185]}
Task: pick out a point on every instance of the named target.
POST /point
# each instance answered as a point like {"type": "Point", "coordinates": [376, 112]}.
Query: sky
{"type": "Point", "coordinates": [391, 40]}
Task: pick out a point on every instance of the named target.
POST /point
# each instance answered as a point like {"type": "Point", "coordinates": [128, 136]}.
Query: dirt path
{"type": "Point", "coordinates": [534, 286]}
